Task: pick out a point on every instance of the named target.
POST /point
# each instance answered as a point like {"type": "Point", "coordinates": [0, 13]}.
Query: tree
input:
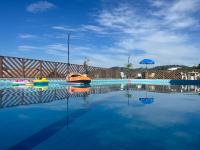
{"type": "Point", "coordinates": [198, 67]}
{"type": "Point", "coordinates": [128, 66]}
{"type": "Point", "coordinates": [85, 65]}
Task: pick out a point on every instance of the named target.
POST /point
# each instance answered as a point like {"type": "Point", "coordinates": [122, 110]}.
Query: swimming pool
{"type": "Point", "coordinates": [110, 116]}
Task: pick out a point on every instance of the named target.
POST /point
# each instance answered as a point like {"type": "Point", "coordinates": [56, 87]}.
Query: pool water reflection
{"type": "Point", "coordinates": [100, 117]}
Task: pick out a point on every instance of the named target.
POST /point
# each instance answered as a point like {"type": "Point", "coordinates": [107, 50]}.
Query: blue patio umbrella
{"type": "Point", "coordinates": [147, 62]}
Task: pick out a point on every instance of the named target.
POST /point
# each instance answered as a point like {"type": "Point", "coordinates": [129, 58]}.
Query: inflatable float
{"type": "Point", "coordinates": [40, 82]}
{"type": "Point", "coordinates": [77, 78]}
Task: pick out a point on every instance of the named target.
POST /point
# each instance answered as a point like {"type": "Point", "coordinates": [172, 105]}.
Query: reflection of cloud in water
{"type": "Point", "coordinates": [166, 110]}
{"type": "Point", "coordinates": [181, 134]}
{"type": "Point", "coordinates": [169, 121]}
{"type": "Point", "coordinates": [23, 116]}
{"type": "Point", "coordinates": [154, 126]}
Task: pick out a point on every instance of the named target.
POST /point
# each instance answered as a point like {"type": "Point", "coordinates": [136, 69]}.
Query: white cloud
{"type": "Point", "coordinates": [94, 28]}
{"type": "Point", "coordinates": [162, 33]}
{"type": "Point", "coordinates": [165, 37]}
{"type": "Point", "coordinates": [63, 28]}
{"type": "Point", "coordinates": [185, 6]}
{"type": "Point", "coordinates": [63, 47]}
{"type": "Point", "coordinates": [179, 14]}
{"type": "Point", "coordinates": [26, 48]}
{"type": "Point", "coordinates": [82, 29]}
{"type": "Point", "coordinates": [27, 36]}
{"type": "Point", "coordinates": [159, 33]}
{"type": "Point", "coordinates": [116, 18]}
{"type": "Point", "coordinates": [40, 6]}
{"type": "Point", "coordinates": [77, 54]}
{"type": "Point", "coordinates": [157, 3]}
{"type": "Point", "coordinates": [59, 47]}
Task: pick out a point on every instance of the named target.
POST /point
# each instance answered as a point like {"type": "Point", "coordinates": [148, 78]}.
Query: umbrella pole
{"type": "Point", "coordinates": [146, 74]}
{"type": "Point", "coordinates": [67, 111]}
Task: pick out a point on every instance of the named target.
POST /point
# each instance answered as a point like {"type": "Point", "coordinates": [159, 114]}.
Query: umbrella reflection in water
{"type": "Point", "coordinates": [146, 100]}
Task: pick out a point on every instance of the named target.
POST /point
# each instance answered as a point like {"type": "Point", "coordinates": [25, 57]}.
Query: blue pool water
{"type": "Point", "coordinates": [114, 117]}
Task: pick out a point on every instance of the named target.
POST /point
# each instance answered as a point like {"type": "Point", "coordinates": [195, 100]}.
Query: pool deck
{"type": "Point", "coordinates": [124, 81]}
{"type": "Point", "coordinates": [149, 81]}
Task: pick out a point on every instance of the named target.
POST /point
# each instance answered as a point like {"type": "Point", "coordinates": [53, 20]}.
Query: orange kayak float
{"type": "Point", "coordinates": [78, 78]}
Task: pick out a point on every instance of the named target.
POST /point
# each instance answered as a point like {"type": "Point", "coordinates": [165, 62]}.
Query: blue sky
{"type": "Point", "coordinates": [105, 31]}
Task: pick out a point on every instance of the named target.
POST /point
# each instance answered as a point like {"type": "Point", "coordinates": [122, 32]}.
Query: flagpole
{"type": "Point", "coordinates": [68, 64]}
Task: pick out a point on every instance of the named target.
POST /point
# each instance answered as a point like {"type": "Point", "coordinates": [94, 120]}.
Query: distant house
{"type": "Point", "coordinates": [173, 68]}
